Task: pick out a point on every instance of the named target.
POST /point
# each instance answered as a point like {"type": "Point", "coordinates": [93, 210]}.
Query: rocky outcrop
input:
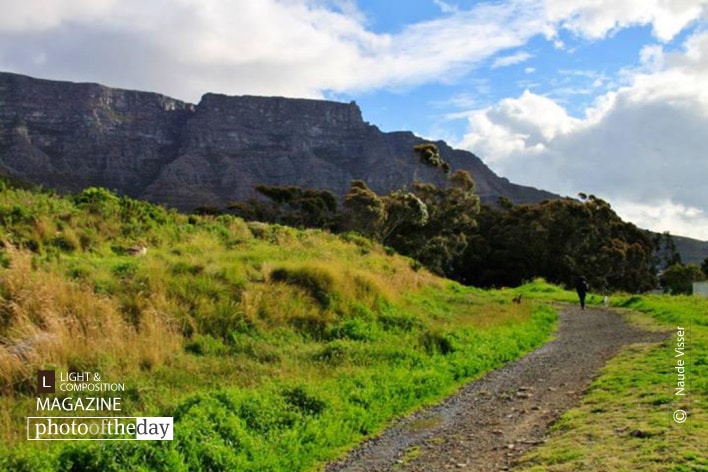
{"type": "Point", "coordinates": [68, 136]}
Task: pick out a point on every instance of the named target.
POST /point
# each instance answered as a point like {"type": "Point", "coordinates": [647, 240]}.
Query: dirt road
{"type": "Point", "coordinates": [491, 422]}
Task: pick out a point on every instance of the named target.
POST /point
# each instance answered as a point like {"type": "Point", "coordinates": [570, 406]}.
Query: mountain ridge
{"type": "Point", "coordinates": [68, 135]}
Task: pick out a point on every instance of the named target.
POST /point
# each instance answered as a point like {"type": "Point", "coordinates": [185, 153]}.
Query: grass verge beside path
{"type": "Point", "coordinates": [325, 397]}
{"type": "Point", "coordinates": [626, 420]}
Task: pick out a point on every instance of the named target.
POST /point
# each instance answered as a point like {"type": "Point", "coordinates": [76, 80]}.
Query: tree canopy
{"type": "Point", "coordinates": [447, 230]}
{"type": "Point", "coordinates": [558, 240]}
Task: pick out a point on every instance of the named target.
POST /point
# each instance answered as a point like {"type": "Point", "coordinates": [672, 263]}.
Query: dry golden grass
{"type": "Point", "coordinates": [502, 314]}
{"type": "Point", "coordinates": [49, 320]}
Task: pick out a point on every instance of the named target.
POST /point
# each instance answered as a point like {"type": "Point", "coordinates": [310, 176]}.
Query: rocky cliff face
{"type": "Point", "coordinates": [68, 136]}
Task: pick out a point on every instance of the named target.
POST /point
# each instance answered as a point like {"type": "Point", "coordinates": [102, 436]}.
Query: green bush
{"type": "Point", "coordinates": [316, 281]}
{"type": "Point", "coordinates": [435, 342]}
{"type": "Point", "coordinates": [98, 201]}
{"type": "Point", "coordinates": [206, 345]}
{"type": "Point", "coordinates": [357, 329]}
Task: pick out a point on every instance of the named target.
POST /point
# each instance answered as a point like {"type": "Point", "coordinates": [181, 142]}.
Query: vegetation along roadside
{"type": "Point", "coordinates": [647, 409]}
{"type": "Point", "coordinates": [277, 349]}
{"type": "Point", "coordinates": [272, 348]}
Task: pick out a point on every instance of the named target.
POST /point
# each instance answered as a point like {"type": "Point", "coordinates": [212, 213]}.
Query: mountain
{"type": "Point", "coordinates": [693, 251]}
{"type": "Point", "coordinates": [69, 136]}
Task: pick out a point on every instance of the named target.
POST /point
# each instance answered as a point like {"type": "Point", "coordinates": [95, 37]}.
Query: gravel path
{"type": "Point", "coordinates": [491, 422]}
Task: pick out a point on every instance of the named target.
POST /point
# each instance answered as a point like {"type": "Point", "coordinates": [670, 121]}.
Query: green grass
{"type": "Point", "coordinates": [276, 349]}
{"type": "Point", "coordinates": [273, 349]}
{"type": "Point", "coordinates": [625, 421]}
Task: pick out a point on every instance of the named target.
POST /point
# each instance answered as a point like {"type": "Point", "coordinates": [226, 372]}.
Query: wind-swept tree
{"type": "Point", "coordinates": [666, 253]}
{"type": "Point", "coordinates": [429, 154]}
{"type": "Point", "coordinates": [364, 211]}
{"type": "Point", "coordinates": [402, 210]}
{"type": "Point", "coordinates": [289, 205]}
{"type": "Point", "coordinates": [303, 208]}
{"type": "Point", "coordinates": [558, 240]}
{"type": "Point", "coordinates": [451, 219]}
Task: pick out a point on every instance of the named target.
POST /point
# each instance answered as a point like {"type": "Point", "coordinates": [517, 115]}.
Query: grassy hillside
{"type": "Point", "coordinates": [273, 349]}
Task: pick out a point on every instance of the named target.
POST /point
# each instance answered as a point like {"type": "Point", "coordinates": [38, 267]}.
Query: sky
{"type": "Point", "coordinates": [605, 97]}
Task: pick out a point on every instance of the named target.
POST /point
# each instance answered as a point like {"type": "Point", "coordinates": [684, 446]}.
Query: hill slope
{"type": "Point", "coordinates": [271, 348]}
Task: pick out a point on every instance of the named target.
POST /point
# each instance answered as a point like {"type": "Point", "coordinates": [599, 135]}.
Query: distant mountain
{"type": "Point", "coordinates": [68, 136]}
{"type": "Point", "coordinates": [692, 251]}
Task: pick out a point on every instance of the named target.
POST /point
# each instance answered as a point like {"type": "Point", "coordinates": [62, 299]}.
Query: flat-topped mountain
{"type": "Point", "coordinates": [68, 136]}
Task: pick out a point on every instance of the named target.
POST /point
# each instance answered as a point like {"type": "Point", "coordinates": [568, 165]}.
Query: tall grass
{"type": "Point", "coordinates": [49, 320]}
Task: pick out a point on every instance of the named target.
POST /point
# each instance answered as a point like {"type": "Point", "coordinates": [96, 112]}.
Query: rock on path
{"type": "Point", "coordinates": [491, 422]}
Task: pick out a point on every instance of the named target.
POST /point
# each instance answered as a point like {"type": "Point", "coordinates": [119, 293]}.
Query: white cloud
{"type": "Point", "coordinates": [446, 7]}
{"type": "Point", "coordinates": [526, 124]}
{"type": "Point", "coordinates": [643, 144]}
{"type": "Point", "coordinates": [291, 47]}
{"type": "Point", "coordinates": [41, 15]}
{"type": "Point", "coordinates": [463, 100]}
{"type": "Point", "coordinates": [596, 19]}
{"type": "Point", "coordinates": [443, 49]}
{"type": "Point", "coordinates": [504, 61]}
{"type": "Point", "coordinates": [288, 47]}
{"type": "Point", "coordinates": [665, 215]}
{"type": "Point", "coordinates": [187, 47]}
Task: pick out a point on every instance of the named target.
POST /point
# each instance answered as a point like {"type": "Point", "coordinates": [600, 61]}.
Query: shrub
{"type": "Point", "coordinates": [303, 401]}
{"type": "Point", "coordinates": [98, 201]}
{"type": "Point", "coordinates": [205, 345]}
{"type": "Point", "coordinates": [318, 282]}
{"type": "Point", "coordinates": [435, 342]}
{"type": "Point", "coordinates": [356, 329]}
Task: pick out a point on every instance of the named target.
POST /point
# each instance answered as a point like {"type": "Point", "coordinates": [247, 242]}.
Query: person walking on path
{"type": "Point", "coordinates": [582, 288]}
